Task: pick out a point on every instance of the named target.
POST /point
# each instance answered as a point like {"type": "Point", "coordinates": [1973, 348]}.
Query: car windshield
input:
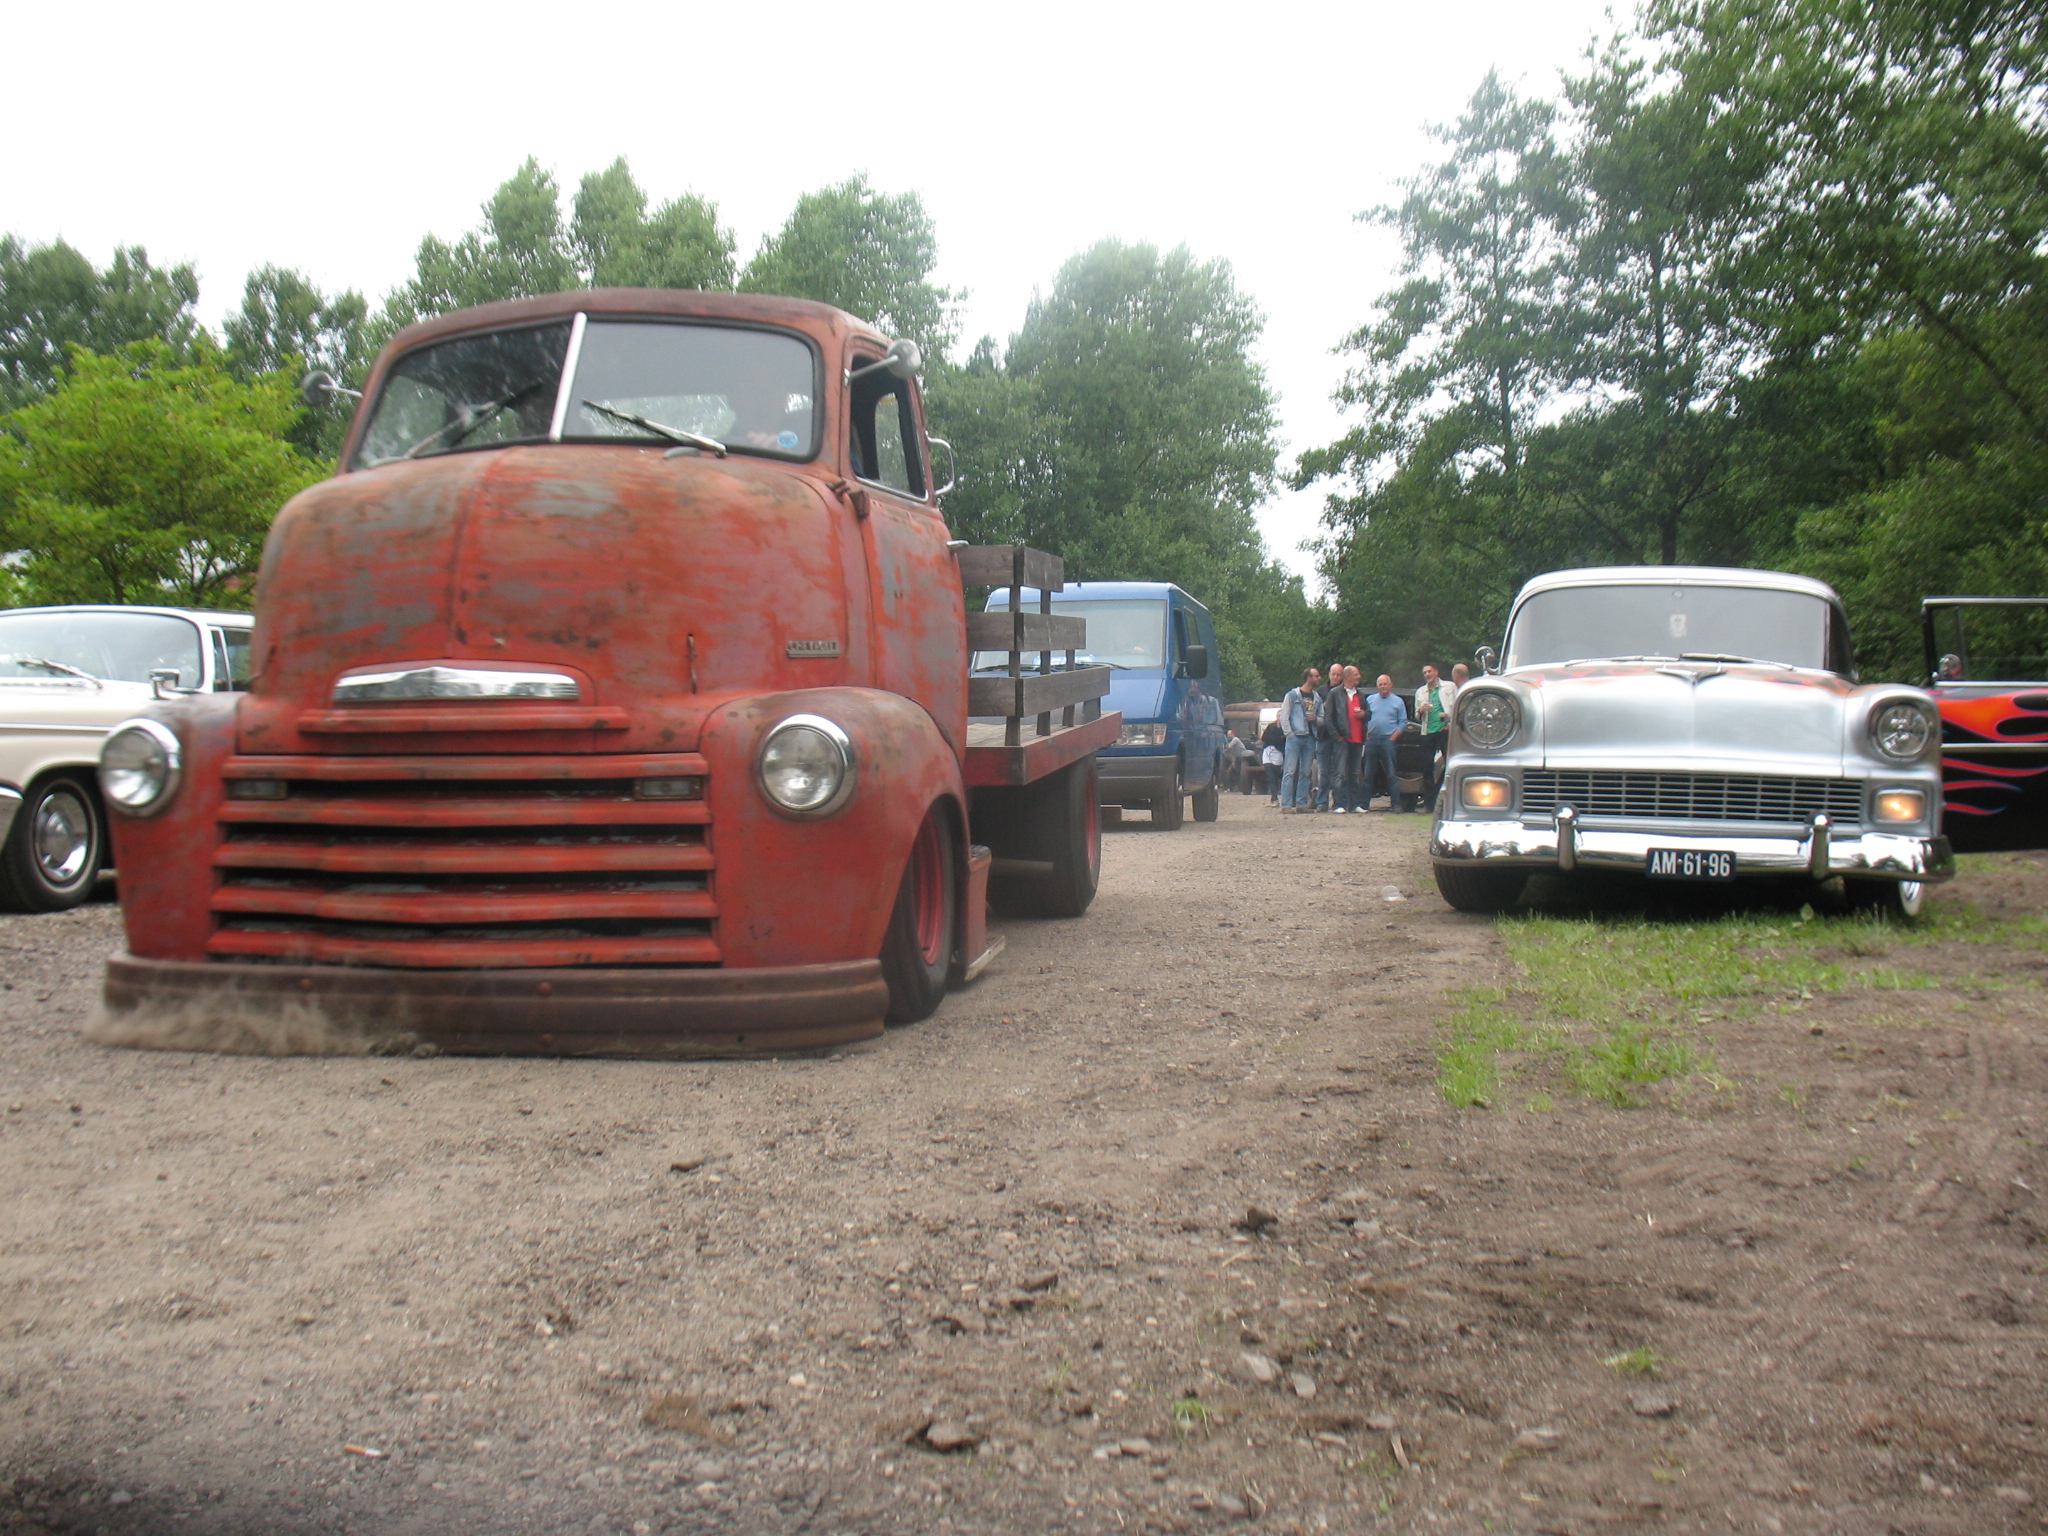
{"type": "Point", "coordinates": [748, 390]}
{"type": "Point", "coordinates": [1991, 642]}
{"type": "Point", "coordinates": [1599, 622]}
{"type": "Point", "coordinates": [1122, 632]}
{"type": "Point", "coordinates": [124, 646]}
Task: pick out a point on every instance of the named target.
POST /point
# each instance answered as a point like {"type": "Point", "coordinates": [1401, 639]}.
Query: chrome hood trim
{"type": "Point", "coordinates": [454, 683]}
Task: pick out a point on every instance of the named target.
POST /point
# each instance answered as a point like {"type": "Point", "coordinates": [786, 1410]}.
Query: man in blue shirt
{"type": "Point", "coordinates": [1386, 716]}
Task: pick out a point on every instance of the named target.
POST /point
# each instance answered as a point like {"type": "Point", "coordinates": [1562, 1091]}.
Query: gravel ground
{"type": "Point", "coordinates": [1161, 1226]}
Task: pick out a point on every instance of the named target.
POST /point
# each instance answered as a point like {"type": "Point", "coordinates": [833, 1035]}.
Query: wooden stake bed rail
{"type": "Point", "coordinates": [1007, 753]}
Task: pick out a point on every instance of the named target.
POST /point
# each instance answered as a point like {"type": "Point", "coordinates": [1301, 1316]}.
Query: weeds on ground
{"type": "Point", "coordinates": [1191, 1413]}
{"type": "Point", "coordinates": [1640, 1361]}
{"type": "Point", "coordinates": [1614, 1004]}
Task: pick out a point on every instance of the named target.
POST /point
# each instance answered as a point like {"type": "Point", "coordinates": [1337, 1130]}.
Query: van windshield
{"type": "Point", "coordinates": [1129, 633]}
{"type": "Point", "coordinates": [1599, 622]}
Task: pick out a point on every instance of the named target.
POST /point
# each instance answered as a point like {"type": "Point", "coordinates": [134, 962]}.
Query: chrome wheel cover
{"type": "Point", "coordinates": [61, 841]}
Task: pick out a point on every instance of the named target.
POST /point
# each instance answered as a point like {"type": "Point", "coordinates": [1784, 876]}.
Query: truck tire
{"type": "Point", "coordinates": [1207, 801]}
{"type": "Point", "coordinates": [1054, 825]}
{"type": "Point", "coordinates": [917, 951]}
{"type": "Point", "coordinates": [56, 848]}
{"type": "Point", "coordinates": [1481, 889]}
{"type": "Point", "coordinates": [1166, 808]}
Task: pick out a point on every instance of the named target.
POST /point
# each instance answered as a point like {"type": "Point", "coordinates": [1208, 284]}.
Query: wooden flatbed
{"type": "Point", "coordinates": [992, 760]}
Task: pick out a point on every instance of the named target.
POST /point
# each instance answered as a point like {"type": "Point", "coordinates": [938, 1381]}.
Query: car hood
{"type": "Point", "coordinates": [1700, 716]}
{"type": "Point", "coordinates": [27, 703]}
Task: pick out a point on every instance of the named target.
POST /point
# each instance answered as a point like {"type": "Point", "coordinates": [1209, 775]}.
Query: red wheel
{"type": "Point", "coordinates": [917, 951]}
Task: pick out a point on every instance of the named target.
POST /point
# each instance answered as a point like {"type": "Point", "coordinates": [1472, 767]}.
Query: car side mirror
{"type": "Point", "coordinates": [319, 388]}
{"type": "Point", "coordinates": [1195, 661]}
{"type": "Point", "coordinates": [1488, 659]}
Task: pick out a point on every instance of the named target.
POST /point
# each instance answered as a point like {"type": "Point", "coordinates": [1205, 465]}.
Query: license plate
{"type": "Point", "coordinates": [1688, 864]}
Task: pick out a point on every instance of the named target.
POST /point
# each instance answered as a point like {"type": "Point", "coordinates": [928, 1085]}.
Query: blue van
{"type": "Point", "coordinates": [1161, 644]}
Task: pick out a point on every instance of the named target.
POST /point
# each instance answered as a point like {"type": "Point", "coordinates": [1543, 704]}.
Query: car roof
{"type": "Point", "coordinates": [1675, 575]}
{"type": "Point", "coordinates": [1095, 591]}
{"type": "Point", "coordinates": [197, 615]}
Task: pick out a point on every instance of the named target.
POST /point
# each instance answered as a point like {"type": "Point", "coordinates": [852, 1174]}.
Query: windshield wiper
{"type": "Point", "coordinates": [673, 434]}
{"type": "Point", "coordinates": [1743, 661]}
{"type": "Point", "coordinates": [472, 419]}
{"type": "Point", "coordinates": [57, 666]}
{"type": "Point", "coordinates": [1595, 661]}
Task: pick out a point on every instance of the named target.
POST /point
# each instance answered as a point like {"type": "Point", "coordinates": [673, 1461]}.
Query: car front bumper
{"type": "Point", "coordinates": [1134, 780]}
{"type": "Point", "coordinates": [1819, 853]}
{"type": "Point", "coordinates": [346, 1010]}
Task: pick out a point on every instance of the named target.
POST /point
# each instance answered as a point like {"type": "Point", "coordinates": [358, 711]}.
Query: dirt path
{"type": "Point", "coordinates": [749, 1296]}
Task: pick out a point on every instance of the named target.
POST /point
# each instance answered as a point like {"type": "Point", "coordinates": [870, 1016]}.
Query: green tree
{"type": "Point", "coordinates": [617, 245]}
{"type": "Point", "coordinates": [1434, 520]}
{"type": "Point", "coordinates": [521, 250]}
{"type": "Point", "coordinates": [871, 253]}
{"type": "Point", "coordinates": [286, 325]}
{"type": "Point", "coordinates": [147, 478]}
{"type": "Point", "coordinates": [53, 299]}
{"type": "Point", "coordinates": [1129, 429]}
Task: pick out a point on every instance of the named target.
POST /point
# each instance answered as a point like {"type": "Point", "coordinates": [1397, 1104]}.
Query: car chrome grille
{"type": "Point", "coordinates": [487, 863]}
{"type": "Point", "coordinates": [1690, 796]}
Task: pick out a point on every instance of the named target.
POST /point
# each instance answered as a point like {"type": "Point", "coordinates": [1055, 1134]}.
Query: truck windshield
{"type": "Point", "coordinates": [754, 391]}
{"type": "Point", "coordinates": [1122, 632]}
{"type": "Point", "coordinates": [1594, 623]}
{"type": "Point", "coordinates": [109, 646]}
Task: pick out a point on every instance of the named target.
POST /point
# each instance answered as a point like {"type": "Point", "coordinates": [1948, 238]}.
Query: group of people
{"type": "Point", "coordinates": [1332, 747]}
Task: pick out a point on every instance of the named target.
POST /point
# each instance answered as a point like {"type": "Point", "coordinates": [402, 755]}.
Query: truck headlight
{"type": "Point", "coordinates": [140, 765]}
{"type": "Point", "coordinates": [807, 766]}
{"type": "Point", "coordinates": [1901, 805]}
{"type": "Point", "coordinates": [1901, 730]}
{"type": "Point", "coordinates": [1142, 736]}
{"type": "Point", "coordinates": [1488, 717]}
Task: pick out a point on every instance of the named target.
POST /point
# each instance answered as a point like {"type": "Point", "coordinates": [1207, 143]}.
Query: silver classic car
{"type": "Point", "coordinates": [1687, 723]}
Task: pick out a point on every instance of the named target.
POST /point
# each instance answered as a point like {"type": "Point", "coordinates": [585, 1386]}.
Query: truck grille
{"type": "Point", "coordinates": [484, 863]}
{"type": "Point", "coordinates": [1690, 796]}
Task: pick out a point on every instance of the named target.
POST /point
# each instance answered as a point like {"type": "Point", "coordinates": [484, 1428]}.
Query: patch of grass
{"type": "Point", "coordinates": [1794, 1095]}
{"type": "Point", "coordinates": [1468, 1070]}
{"type": "Point", "coordinates": [1374, 1464]}
{"type": "Point", "coordinates": [1191, 1413]}
{"type": "Point", "coordinates": [1540, 1104]}
{"type": "Point", "coordinates": [1640, 1361]}
{"type": "Point", "coordinates": [1616, 1065]}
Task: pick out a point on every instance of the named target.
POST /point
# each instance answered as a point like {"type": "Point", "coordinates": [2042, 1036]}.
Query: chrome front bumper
{"type": "Point", "coordinates": [1819, 852]}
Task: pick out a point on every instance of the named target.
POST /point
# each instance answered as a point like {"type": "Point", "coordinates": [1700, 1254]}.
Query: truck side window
{"type": "Point", "coordinates": [885, 433]}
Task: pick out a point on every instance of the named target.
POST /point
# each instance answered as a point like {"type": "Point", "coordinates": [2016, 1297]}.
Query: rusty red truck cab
{"type": "Point", "coordinates": [612, 697]}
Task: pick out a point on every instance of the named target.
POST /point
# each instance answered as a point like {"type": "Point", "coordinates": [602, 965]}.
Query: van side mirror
{"type": "Point", "coordinates": [1195, 661]}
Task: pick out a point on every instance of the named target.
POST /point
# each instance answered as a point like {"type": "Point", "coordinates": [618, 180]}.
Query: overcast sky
{"type": "Point", "coordinates": [330, 138]}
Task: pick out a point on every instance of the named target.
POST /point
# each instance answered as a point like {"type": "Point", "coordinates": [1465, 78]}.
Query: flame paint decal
{"type": "Point", "coordinates": [1998, 786]}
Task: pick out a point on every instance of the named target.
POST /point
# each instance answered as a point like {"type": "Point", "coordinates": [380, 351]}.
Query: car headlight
{"type": "Point", "coordinates": [1901, 729]}
{"type": "Point", "coordinates": [1488, 717]}
{"type": "Point", "coordinates": [1901, 805]}
{"type": "Point", "coordinates": [1142, 736]}
{"type": "Point", "coordinates": [1486, 794]}
{"type": "Point", "coordinates": [807, 766]}
{"type": "Point", "coordinates": [140, 765]}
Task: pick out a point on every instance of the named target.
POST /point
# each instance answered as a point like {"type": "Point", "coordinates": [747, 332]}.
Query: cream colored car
{"type": "Point", "coordinates": [67, 677]}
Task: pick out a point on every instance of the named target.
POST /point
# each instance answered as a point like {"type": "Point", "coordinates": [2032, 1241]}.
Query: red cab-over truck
{"type": "Point", "coordinates": [612, 698]}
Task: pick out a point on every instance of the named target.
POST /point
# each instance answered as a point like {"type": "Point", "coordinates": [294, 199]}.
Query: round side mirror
{"type": "Point", "coordinates": [904, 359]}
{"type": "Point", "coordinates": [318, 389]}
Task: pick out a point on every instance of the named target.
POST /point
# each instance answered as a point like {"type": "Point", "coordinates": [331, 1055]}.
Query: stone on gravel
{"type": "Point", "coordinates": [1261, 1369]}
{"type": "Point", "coordinates": [1230, 1504]}
{"type": "Point", "coordinates": [680, 1412]}
{"type": "Point", "coordinates": [1045, 1280]}
{"type": "Point", "coordinates": [1382, 1422]}
{"type": "Point", "coordinates": [1654, 1405]}
{"type": "Point", "coordinates": [1257, 1220]}
{"type": "Point", "coordinates": [2013, 1495]}
{"type": "Point", "coordinates": [1304, 1385]}
{"type": "Point", "coordinates": [1135, 1447]}
{"type": "Point", "coordinates": [1539, 1438]}
{"type": "Point", "coordinates": [950, 1435]}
